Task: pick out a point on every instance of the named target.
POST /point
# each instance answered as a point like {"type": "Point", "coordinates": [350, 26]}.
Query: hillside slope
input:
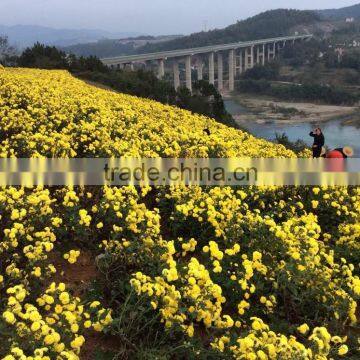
{"type": "Point", "coordinates": [342, 13]}
{"type": "Point", "coordinates": [109, 123]}
{"type": "Point", "coordinates": [265, 25]}
{"type": "Point", "coordinates": [172, 273]}
{"type": "Point", "coordinates": [114, 47]}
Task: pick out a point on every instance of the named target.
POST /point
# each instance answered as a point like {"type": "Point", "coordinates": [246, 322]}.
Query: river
{"type": "Point", "coordinates": [336, 134]}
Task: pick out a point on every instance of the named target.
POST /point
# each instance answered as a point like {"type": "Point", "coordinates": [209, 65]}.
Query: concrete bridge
{"type": "Point", "coordinates": [240, 57]}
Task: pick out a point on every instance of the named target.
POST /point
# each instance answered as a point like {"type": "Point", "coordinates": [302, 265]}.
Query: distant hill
{"type": "Point", "coordinates": [110, 47]}
{"type": "Point", "coordinates": [268, 24]}
{"type": "Point", "coordinates": [26, 35]}
{"type": "Point", "coordinates": [342, 13]}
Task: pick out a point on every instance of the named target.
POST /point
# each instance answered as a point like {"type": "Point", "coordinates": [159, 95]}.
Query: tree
{"type": "Point", "coordinates": [91, 63]}
{"type": "Point", "coordinates": [43, 57]}
{"type": "Point", "coordinates": [7, 52]}
{"type": "Point", "coordinates": [49, 57]}
{"type": "Point", "coordinates": [296, 146]}
{"type": "Point", "coordinates": [303, 53]}
{"type": "Point", "coordinates": [269, 71]}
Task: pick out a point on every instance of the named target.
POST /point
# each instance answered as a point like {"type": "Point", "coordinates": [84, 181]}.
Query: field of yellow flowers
{"type": "Point", "coordinates": [179, 272]}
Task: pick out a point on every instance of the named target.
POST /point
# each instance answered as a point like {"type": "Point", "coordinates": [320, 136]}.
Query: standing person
{"type": "Point", "coordinates": [319, 142]}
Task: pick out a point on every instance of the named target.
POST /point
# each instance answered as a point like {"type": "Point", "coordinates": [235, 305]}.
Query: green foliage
{"type": "Point", "coordinates": [350, 60]}
{"type": "Point", "coordinates": [297, 146]}
{"type": "Point", "coordinates": [113, 47]}
{"type": "Point", "coordinates": [254, 86]}
{"type": "Point", "coordinates": [136, 325]}
{"type": "Point", "coordinates": [306, 92]}
{"type": "Point", "coordinates": [342, 13]}
{"type": "Point", "coordinates": [91, 63]}
{"type": "Point", "coordinates": [351, 77]}
{"type": "Point", "coordinates": [213, 106]}
{"type": "Point", "coordinates": [7, 51]}
{"type": "Point", "coordinates": [43, 57]}
{"type": "Point", "coordinates": [347, 30]}
{"type": "Point", "coordinates": [287, 111]}
{"type": "Point", "coordinates": [102, 48]}
{"type": "Point", "coordinates": [49, 57]}
{"type": "Point", "coordinates": [139, 83]}
{"type": "Point", "coordinates": [311, 92]}
{"type": "Point", "coordinates": [303, 53]}
{"type": "Point", "coordinates": [269, 71]}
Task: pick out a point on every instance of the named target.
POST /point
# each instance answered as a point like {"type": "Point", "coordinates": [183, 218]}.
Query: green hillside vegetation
{"type": "Point", "coordinates": [101, 48]}
{"type": "Point", "coordinates": [115, 47]}
{"type": "Point", "coordinates": [346, 33]}
{"type": "Point", "coordinates": [304, 92]}
{"type": "Point", "coordinates": [280, 22]}
{"type": "Point", "coordinates": [265, 25]}
{"type": "Point", "coordinates": [349, 11]}
{"type": "Point", "coordinates": [300, 73]}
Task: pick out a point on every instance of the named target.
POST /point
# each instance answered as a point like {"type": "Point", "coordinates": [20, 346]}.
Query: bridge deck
{"type": "Point", "coordinates": [195, 51]}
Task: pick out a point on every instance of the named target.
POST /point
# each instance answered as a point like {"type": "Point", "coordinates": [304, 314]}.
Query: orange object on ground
{"type": "Point", "coordinates": [334, 154]}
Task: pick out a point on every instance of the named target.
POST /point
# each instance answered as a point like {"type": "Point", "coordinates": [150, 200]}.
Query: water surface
{"type": "Point", "coordinates": [336, 134]}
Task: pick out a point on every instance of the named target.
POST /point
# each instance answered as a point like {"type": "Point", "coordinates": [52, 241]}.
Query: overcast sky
{"type": "Point", "coordinates": [145, 16]}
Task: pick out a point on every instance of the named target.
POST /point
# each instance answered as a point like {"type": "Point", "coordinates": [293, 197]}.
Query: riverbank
{"type": "Point", "coordinates": [262, 109]}
{"type": "Point", "coordinates": [353, 121]}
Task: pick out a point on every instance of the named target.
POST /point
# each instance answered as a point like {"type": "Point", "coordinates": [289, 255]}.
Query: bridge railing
{"type": "Point", "coordinates": [198, 50]}
{"type": "Point", "coordinates": [241, 57]}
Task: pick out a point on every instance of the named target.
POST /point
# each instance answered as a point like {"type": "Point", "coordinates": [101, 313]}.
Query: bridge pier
{"type": "Point", "coordinates": [263, 54]}
{"type": "Point", "coordinates": [176, 74]}
{"type": "Point", "coordinates": [239, 69]}
{"type": "Point", "coordinates": [220, 71]}
{"type": "Point", "coordinates": [231, 70]}
{"type": "Point", "coordinates": [248, 57]}
{"type": "Point", "coordinates": [188, 72]}
{"type": "Point", "coordinates": [199, 68]}
{"type": "Point", "coordinates": [272, 52]}
{"type": "Point", "coordinates": [241, 57]}
{"type": "Point", "coordinates": [241, 63]}
{"type": "Point", "coordinates": [161, 69]}
{"type": "Point", "coordinates": [129, 66]}
{"type": "Point", "coordinates": [251, 57]}
{"type": "Point", "coordinates": [241, 60]}
{"type": "Point", "coordinates": [211, 69]}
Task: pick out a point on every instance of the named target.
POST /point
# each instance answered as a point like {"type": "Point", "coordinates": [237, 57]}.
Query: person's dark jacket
{"type": "Point", "coordinates": [319, 140]}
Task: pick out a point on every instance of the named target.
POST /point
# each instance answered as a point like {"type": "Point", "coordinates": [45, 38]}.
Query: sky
{"type": "Point", "coordinates": [153, 17]}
